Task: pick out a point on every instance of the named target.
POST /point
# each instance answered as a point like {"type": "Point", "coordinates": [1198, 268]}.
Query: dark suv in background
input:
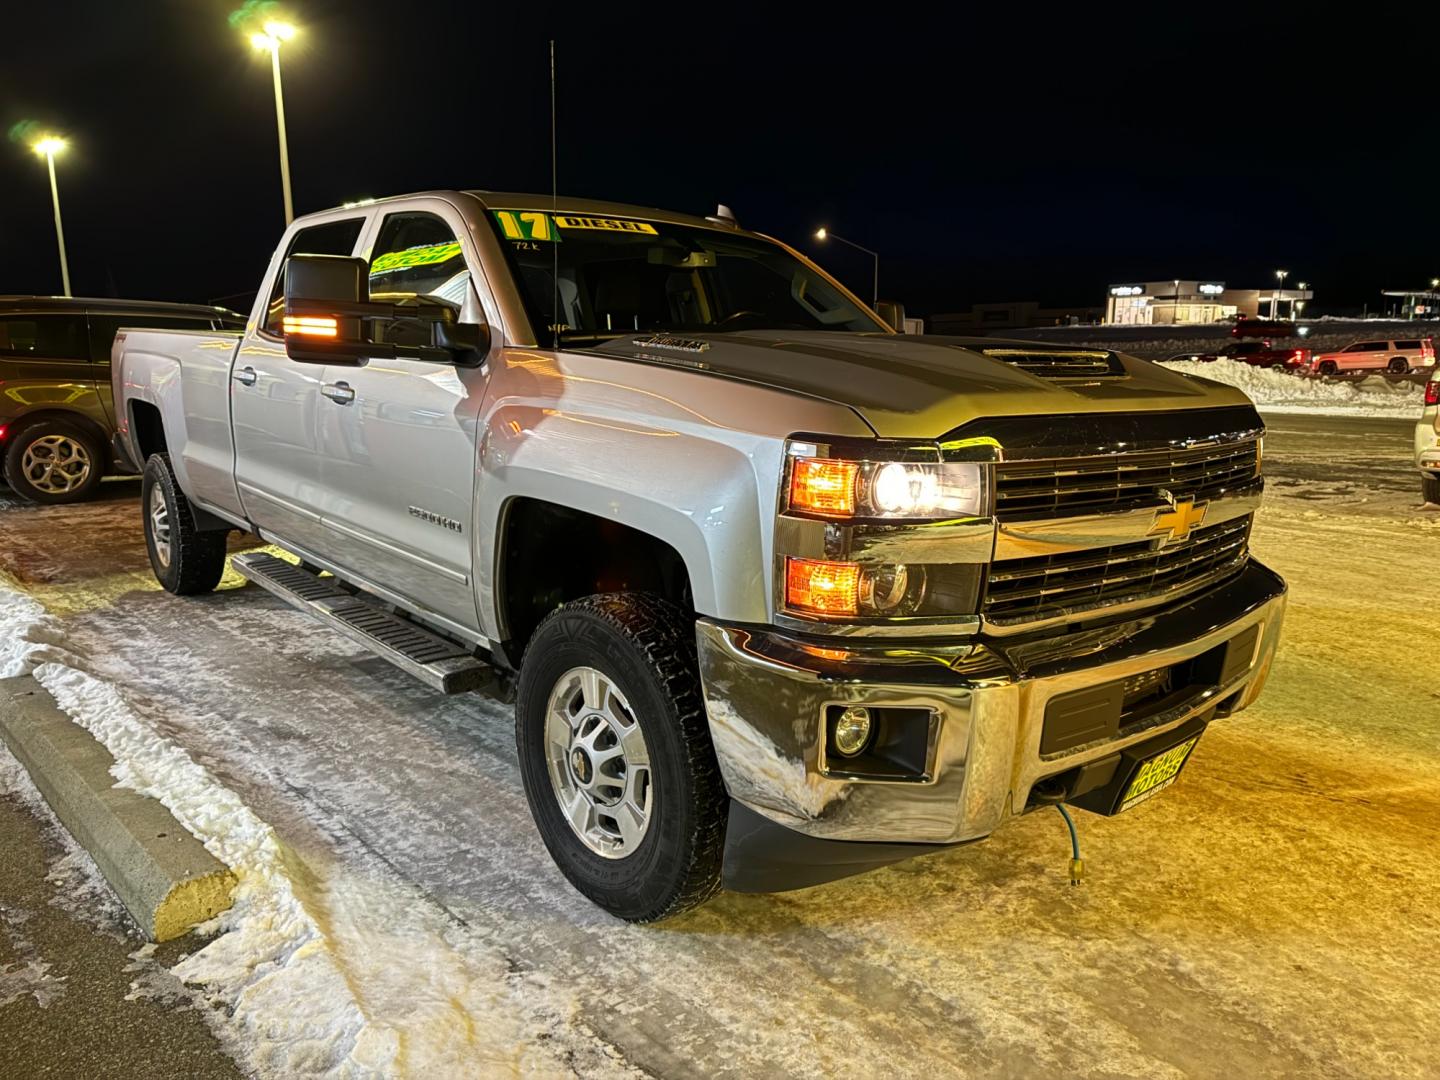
{"type": "Point", "coordinates": [57, 415]}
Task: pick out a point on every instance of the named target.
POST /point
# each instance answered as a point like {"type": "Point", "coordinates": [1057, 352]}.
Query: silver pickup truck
{"type": "Point", "coordinates": [782, 595]}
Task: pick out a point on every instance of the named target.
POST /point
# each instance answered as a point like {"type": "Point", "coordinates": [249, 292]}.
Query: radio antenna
{"type": "Point", "coordinates": [554, 207]}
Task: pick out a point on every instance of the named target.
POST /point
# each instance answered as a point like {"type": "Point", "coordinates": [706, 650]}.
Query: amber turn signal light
{"type": "Point", "coordinates": [822, 486]}
{"type": "Point", "coordinates": [311, 325]}
{"type": "Point", "coordinates": [822, 588]}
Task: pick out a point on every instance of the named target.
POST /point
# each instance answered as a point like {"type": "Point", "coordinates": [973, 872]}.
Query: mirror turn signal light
{"type": "Point", "coordinates": [311, 325]}
{"type": "Point", "coordinates": [822, 588]}
{"type": "Point", "coordinates": [823, 486]}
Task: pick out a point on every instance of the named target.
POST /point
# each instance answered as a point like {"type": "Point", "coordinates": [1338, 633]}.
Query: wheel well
{"type": "Point", "coordinates": [78, 419]}
{"type": "Point", "coordinates": [147, 430]}
{"type": "Point", "coordinates": [549, 555]}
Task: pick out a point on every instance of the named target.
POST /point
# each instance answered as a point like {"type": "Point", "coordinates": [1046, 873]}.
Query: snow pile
{"type": "Point", "coordinates": [28, 635]}
{"type": "Point", "coordinates": [316, 971]}
{"type": "Point", "coordinates": [1274, 391]}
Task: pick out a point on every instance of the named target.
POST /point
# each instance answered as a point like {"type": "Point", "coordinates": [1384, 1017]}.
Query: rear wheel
{"type": "Point", "coordinates": [54, 461]}
{"type": "Point", "coordinates": [616, 756]}
{"type": "Point", "coordinates": [186, 561]}
{"type": "Point", "coordinates": [1399, 366]}
{"type": "Point", "coordinates": [1430, 488]}
{"type": "Point", "coordinates": [1327, 367]}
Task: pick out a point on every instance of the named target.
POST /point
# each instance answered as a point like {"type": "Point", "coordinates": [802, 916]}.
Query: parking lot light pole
{"type": "Point", "coordinates": [1280, 276]}
{"type": "Point", "coordinates": [826, 234]}
{"type": "Point", "coordinates": [47, 148]}
{"type": "Point", "coordinates": [270, 38]}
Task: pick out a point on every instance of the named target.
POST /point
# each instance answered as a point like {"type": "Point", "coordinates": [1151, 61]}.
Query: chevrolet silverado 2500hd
{"type": "Point", "coordinates": [784, 595]}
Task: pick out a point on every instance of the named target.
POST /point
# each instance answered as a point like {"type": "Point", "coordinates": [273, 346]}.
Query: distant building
{"type": "Point", "coordinates": [1417, 304]}
{"type": "Point", "coordinates": [1165, 302]}
{"type": "Point", "coordinates": [1017, 315]}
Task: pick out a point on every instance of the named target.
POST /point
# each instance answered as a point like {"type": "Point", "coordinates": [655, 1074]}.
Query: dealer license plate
{"type": "Point", "coordinates": [1157, 773]}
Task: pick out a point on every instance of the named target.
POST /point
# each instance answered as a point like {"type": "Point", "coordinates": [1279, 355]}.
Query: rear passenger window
{"type": "Point", "coordinates": [1408, 346]}
{"type": "Point", "coordinates": [332, 238]}
{"type": "Point", "coordinates": [103, 328]}
{"type": "Point", "coordinates": [43, 337]}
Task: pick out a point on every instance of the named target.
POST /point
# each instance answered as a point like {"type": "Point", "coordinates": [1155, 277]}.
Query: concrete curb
{"type": "Point", "coordinates": [163, 875]}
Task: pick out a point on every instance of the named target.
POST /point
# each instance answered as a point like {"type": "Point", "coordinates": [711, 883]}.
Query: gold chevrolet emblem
{"type": "Point", "coordinates": [1178, 520]}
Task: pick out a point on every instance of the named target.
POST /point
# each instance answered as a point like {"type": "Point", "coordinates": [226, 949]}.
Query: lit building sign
{"type": "Point", "coordinates": [1127, 290]}
{"type": "Point", "coordinates": [1212, 288]}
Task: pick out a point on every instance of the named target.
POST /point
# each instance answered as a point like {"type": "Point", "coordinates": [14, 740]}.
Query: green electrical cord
{"type": "Point", "coordinates": [1077, 867]}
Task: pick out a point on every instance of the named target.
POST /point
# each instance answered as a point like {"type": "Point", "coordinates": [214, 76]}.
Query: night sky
{"type": "Point", "coordinates": [1020, 155]}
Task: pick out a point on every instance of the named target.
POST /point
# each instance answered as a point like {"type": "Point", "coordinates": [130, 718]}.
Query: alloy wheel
{"type": "Point", "coordinates": [159, 511]}
{"type": "Point", "coordinates": [56, 464]}
{"type": "Point", "coordinates": [599, 763]}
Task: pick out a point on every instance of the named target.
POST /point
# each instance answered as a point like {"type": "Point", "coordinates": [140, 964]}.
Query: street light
{"type": "Point", "coordinates": [47, 148]}
{"type": "Point", "coordinates": [1280, 276]}
{"type": "Point", "coordinates": [270, 37]}
{"type": "Point", "coordinates": [826, 234]}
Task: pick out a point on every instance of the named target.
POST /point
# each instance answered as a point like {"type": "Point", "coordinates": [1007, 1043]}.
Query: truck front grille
{"type": "Point", "coordinates": [1064, 487]}
{"type": "Point", "coordinates": [1024, 590]}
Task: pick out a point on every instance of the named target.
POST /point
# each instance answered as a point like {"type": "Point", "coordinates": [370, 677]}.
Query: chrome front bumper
{"type": "Point", "coordinates": [766, 693]}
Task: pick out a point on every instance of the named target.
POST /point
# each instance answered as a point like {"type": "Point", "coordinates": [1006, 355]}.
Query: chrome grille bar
{"type": "Point", "coordinates": [1083, 485]}
{"type": "Point", "coordinates": [1021, 590]}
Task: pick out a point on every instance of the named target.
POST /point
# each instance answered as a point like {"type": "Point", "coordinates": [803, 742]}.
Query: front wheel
{"type": "Point", "coordinates": [616, 757]}
{"type": "Point", "coordinates": [1327, 367]}
{"type": "Point", "coordinates": [186, 560]}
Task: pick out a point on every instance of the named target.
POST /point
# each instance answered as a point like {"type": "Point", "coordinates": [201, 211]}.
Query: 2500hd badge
{"type": "Point", "coordinates": [829, 598]}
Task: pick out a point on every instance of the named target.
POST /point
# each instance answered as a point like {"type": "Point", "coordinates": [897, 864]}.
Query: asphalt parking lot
{"type": "Point", "coordinates": [1270, 916]}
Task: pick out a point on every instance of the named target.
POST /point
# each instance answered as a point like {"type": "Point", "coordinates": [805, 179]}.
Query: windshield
{"type": "Point", "coordinates": [614, 276]}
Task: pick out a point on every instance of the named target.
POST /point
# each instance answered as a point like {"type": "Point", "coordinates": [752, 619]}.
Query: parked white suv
{"type": "Point", "coordinates": [1396, 355]}
{"type": "Point", "coordinates": [1427, 442]}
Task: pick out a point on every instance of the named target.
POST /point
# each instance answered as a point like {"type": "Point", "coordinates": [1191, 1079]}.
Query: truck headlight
{"type": "Point", "coordinates": [886, 490]}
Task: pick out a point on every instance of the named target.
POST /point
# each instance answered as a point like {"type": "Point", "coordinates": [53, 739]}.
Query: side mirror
{"type": "Point", "coordinates": [327, 303]}
{"type": "Point", "coordinates": [468, 342]}
{"type": "Point", "coordinates": [892, 313]}
{"type": "Point", "coordinates": [323, 297]}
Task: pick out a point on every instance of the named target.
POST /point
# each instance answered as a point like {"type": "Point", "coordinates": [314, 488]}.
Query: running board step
{"type": "Point", "coordinates": [435, 661]}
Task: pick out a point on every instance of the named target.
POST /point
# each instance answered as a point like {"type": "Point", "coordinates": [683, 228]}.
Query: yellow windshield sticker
{"type": "Point", "coordinates": [537, 225]}
{"type": "Point", "coordinates": [525, 225]}
{"type": "Point", "coordinates": [604, 224]}
{"type": "Point", "coordinates": [425, 255]}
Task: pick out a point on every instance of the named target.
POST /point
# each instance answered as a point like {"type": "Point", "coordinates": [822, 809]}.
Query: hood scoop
{"type": "Point", "coordinates": [1059, 363]}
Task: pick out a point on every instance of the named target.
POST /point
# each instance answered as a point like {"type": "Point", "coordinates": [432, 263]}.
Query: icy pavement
{"type": "Point", "coordinates": [1270, 916]}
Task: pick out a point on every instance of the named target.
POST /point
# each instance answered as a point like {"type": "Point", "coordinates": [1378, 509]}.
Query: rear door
{"type": "Point", "coordinates": [273, 403]}
{"type": "Point", "coordinates": [45, 364]}
{"type": "Point", "coordinates": [399, 438]}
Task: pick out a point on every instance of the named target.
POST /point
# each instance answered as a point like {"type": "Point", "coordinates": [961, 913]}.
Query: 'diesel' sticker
{"type": "Point", "coordinates": [538, 225]}
{"type": "Point", "coordinates": [603, 224]}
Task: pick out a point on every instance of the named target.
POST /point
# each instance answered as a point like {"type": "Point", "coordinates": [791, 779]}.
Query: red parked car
{"type": "Point", "coordinates": [1266, 328]}
{"type": "Point", "coordinates": [1256, 353]}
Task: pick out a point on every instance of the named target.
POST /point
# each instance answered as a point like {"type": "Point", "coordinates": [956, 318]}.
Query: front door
{"type": "Point", "coordinates": [274, 410]}
{"type": "Point", "coordinates": [399, 439]}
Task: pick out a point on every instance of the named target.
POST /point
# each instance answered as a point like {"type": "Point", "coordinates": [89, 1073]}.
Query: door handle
{"type": "Point", "coordinates": [342, 393]}
{"type": "Point", "coordinates": [245, 376]}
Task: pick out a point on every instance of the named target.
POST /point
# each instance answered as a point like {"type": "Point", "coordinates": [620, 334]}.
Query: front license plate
{"type": "Point", "coordinates": [1157, 773]}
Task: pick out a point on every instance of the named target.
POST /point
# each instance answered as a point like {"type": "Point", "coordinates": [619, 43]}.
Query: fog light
{"type": "Point", "coordinates": [852, 730]}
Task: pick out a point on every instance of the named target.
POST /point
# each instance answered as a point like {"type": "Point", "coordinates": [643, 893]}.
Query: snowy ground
{"type": "Point", "coordinates": [1276, 392]}
{"type": "Point", "coordinates": [1273, 915]}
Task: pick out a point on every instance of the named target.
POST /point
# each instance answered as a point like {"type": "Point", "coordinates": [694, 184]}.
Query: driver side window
{"type": "Point", "coordinates": [417, 257]}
